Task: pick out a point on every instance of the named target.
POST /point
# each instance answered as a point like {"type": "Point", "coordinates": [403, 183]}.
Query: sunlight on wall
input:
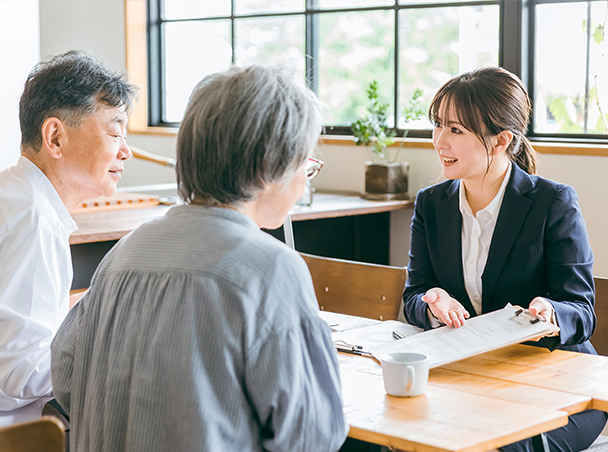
{"type": "Point", "coordinates": [19, 45]}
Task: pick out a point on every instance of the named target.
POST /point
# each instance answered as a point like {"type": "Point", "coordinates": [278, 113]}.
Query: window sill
{"type": "Point", "coordinates": [157, 131]}
{"type": "Point", "coordinates": [420, 143]}
{"type": "Point", "coordinates": [539, 146]}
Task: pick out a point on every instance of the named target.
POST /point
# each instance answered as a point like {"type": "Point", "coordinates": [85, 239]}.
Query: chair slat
{"type": "Point", "coordinates": [356, 288]}
{"type": "Point", "coordinates": [600, 337]}
{"type": "Point", "coordinates": [45, 434]}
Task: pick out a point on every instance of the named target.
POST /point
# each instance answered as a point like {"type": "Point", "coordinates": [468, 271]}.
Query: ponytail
{"type": "Point", "coordinates": [525, 156]}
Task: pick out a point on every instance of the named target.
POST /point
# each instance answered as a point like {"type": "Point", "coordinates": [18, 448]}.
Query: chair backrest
{"type": "Point", "coordinates": [356, 288]}
{"type": "Point", "coordinates": [42, 435]}
{"type": "Point", "coordinates": [600, 337]}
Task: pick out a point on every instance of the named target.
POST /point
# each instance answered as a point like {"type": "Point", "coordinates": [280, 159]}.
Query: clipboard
{"type": "Point", "coordinates": [480, 334]}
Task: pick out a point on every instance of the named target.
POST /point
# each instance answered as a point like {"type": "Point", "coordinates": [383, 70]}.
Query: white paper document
{"type": "Point", "coordinates": [344, 322]}
{"type": "Point", "coordinates": [510, 325]}
{"type": "Point", "coordinates": [366, 337]}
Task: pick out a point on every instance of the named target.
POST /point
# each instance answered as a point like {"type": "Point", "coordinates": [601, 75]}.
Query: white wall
{"type": "Point", "coordinates": [19, 51]}
{"type": "Point", "coordinates": [98, 26]}
{"type": "Point", "coordinates": [345, 169]}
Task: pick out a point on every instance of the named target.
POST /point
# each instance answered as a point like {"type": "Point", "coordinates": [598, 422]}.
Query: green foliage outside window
{"type": "Point", "coordinates": [372, 130]}
{"type": "Point", "coordinates": [568, 112]}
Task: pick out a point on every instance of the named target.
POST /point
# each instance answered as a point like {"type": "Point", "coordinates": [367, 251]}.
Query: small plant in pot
{"type": "Point", "coordinates": [385, 178]}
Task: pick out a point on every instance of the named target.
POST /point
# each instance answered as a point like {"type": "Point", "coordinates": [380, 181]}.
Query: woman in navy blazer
{"type": "Point", "coordinates": [529, 231]}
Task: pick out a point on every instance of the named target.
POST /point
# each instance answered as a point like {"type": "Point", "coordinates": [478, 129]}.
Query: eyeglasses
{"type": "Point", "coordinates": [313, 166]}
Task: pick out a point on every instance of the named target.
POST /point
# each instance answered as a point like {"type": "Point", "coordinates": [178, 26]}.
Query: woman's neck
{"type": "Point", "coordinates": [481, 192]}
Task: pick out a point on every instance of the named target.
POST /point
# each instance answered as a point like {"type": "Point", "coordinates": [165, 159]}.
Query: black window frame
{"type": "Point", "coordinates": [515, 53]}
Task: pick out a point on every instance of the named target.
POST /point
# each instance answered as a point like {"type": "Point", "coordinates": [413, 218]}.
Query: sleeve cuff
{"type": "Point", "coordinates": [435, 322]}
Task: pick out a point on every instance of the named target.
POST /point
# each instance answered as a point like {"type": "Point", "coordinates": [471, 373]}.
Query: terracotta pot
{"type": "Point", "coordinates": [385, 181]}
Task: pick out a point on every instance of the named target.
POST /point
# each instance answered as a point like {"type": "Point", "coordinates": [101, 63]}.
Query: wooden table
{"type": "Point", "coordinates": [476, 404]}
{"type": "Point", "coordinates": [568, 372]}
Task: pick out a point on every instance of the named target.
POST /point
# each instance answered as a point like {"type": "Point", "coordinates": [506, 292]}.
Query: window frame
{"type": "Point", "coordinates": [515, 54]}
{"type": "Point", "coordinates": [311, 14]}
{"type": "Point", "coordinates": [528, 54]}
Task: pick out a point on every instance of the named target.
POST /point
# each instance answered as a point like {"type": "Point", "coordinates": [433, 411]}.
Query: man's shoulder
{"type": "Point", "coordinates": [21, 205]}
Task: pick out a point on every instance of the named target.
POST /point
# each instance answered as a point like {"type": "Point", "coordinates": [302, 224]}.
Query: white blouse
{"type": "Point", "coordinates": [477, 231]}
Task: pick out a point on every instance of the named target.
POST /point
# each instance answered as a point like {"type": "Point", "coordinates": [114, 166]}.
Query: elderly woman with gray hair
{"type": "Point", "coordinates": [199, 331]}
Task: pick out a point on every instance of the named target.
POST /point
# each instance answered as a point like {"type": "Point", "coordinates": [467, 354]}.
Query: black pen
{"type": "Point", "coordinates": [353, 351]}
{"type": "Point", "coordinates": [398, 335]}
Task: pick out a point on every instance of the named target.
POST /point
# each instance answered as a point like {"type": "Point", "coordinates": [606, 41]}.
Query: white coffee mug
{"type": "Point", "coordinates": [405, 374]}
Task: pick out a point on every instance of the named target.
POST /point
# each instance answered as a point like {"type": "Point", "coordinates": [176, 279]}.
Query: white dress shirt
{"type": "Point", "coordinates": [35, 280]}
{"type": "Point", "coordinates": [477, 232]}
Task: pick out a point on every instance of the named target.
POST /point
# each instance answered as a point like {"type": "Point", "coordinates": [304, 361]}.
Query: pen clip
{"type": "Point", "coordinates": [345, 345]}
{"type": "Point", "coordinates": [533, 320]}
{"type": "Point", "coordinates": [352, 351]}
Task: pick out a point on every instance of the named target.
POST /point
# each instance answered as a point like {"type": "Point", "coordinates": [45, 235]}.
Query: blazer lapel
{"type": "Point", "coordinates": [449, 228]}
{"type": "Point", "coordinates": [511, 217]}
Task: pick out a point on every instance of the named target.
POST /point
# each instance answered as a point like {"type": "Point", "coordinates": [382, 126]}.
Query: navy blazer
{"type": "Point", "coordinates": [539, 248]}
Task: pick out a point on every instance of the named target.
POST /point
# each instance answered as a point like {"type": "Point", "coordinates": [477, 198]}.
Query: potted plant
{"type": "Point", "coordinates": [385, 178]}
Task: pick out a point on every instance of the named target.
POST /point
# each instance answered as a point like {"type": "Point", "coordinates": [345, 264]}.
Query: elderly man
{"type": "Point", "coordinates": [73, 116]}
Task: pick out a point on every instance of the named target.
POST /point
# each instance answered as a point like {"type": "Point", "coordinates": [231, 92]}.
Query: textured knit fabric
{"type": "Point", "coordinates": [199, 332]}
{"type": "Point", "coordinates": [35, 280]}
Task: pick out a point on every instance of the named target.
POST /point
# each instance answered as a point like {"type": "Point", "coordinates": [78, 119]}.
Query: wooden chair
{"type": "Point", "coordinates": [356, 288]}
{"type": "Point", "coordinates": [600, 337]}
{"type": "Point", "coordinates": [43, 435]}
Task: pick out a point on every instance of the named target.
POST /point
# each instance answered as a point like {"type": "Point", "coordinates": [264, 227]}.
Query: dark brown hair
{"type": "Point", "coordinates": [486, 102]}
{"type": "Point", "coordinates": [70, 87]}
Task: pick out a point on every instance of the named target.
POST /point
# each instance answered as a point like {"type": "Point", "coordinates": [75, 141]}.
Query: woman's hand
{"type": "Point", "coordinates": [542, 308]}
{"type": "Point", "coordinates": [445, 308]}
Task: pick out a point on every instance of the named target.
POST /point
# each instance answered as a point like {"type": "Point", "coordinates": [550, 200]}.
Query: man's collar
{"type": "Point", "coordinates": [39, 179]}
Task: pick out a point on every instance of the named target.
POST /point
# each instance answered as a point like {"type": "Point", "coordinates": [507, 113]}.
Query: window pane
{"type": "Point", "coordinates": [192, 9]}
{"type": "Point", "coordinates": [267, 6]}
{"type": "Point", "coordinates": [440, 43]}
{"type": "Point", "coordinates": [561, 45]}
{"type": "Point", "coordinates": [192, 51]}
{"type": "Point", "coordinates": [335, 4]}
{"type": "Point", "coordinates": [278, 41]}
{"type": "Point", "coordinates": [355, 48]}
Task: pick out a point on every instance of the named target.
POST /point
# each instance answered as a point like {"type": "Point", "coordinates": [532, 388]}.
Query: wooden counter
{"type": "Point", "coordinates": [112, 225]}
{"type": "Point", "coordinates": [336, 225]}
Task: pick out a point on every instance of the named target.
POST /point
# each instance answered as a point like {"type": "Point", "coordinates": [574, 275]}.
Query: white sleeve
{"type": "Point", "coordinates": [35, 277]}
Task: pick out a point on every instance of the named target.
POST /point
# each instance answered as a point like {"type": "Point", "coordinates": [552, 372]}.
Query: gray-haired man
{"type": "Point", "coordinates": [73, 116]}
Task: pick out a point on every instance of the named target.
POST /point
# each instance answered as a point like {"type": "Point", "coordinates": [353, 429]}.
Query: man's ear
{"type": "Point", "coordinates": [502, 141]}
{"type": "Point", "coordinates": [53, 137]}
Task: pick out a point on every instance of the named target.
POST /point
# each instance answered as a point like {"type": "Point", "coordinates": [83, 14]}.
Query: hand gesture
{"type": "Point", "coordinates": [445, 308]}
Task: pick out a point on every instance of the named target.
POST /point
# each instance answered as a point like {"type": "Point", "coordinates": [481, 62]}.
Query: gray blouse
{"type": "Point", "coordinates": [199, 332]}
